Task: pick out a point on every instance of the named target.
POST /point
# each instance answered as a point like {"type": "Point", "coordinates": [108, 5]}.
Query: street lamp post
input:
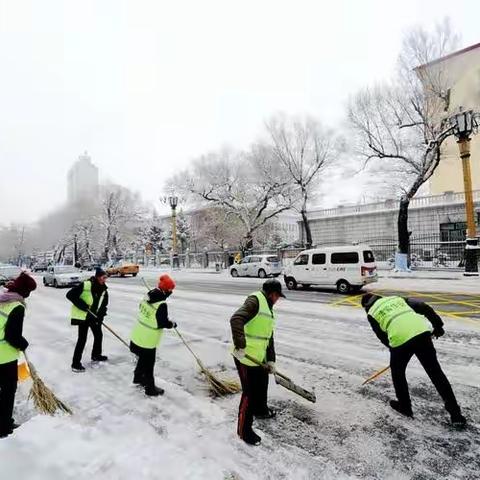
{"type": "Point", "coordinates": [464, 124]}
{"type": "Point", "coordinates": [173, 200]}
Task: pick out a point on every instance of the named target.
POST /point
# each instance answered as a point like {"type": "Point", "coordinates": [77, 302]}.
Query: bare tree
{"type": "Point", "coordinates": [246, 185]}
{"type": "Point", "coordinates": [304, 149]}
{"type": "Point", "coordinates": [401, 125]}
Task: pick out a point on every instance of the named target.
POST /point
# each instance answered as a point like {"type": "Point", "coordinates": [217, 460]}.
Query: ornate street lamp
{"type": "Point", "coordinates": [464, 123]}
{"type": "Point", "coordinates": [173, 200]}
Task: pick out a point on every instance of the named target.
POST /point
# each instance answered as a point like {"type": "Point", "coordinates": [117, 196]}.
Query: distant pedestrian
{"type": "Point", "coordinates": [148, 331]}
{"type": "Point", "coordinates": [404, 325]}
{"type": "Point", "coordinates": [90, 301]}
{"type": "Point", "coordinates": [252, 331]}
{"type": "Point", "coordinates": [12, 342]}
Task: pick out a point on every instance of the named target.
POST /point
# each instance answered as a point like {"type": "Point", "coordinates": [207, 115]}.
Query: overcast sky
{"type": "Point", "coordinates": [145, 86]}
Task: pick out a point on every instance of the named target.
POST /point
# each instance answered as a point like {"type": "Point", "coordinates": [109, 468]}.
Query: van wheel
{"type": "Point", "coordinates": [291, 283]}
{"type": "Point", "coordinates": [343, 287]}
{"type": "Point", "coordinates": [234, 273]}
{"type": "Point", "coordinates": [262, 273]}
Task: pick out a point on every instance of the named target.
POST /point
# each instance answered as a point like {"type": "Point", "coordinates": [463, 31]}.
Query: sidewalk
{"type": "Point", "coordinates": [423, 274]}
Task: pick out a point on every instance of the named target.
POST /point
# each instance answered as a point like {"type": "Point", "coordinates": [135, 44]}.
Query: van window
{"type": "Point", "coordinates": [318, 258]}
{"type": "Point", "coordinates": [301, 260]}
{"type": "Point", "coordinates": [255, 259]}
{"type": "Point", "coordinates": [345, 257]}
{"type": "Point", "coordinates": [368, 256]}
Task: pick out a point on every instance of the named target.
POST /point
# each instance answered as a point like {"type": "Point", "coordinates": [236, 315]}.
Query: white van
{"type": "Point", "coordinates": [348, 268]}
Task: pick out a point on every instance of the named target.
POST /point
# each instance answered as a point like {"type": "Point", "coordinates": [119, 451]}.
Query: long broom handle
{"type": "Point", "coordinates": [111, 330]}
{"type": "Point", "coordinates": [376, 374]}
{"type": "Point", "coordinates": [265, 366]}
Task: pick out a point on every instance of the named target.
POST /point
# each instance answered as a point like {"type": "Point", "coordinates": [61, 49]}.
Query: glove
{"type": "Point", "coordinates": [174, 324]}
{"type": "Point", "coordinates": [239, 353]}
{"type": "Point", "coordinates": [438, 332]}
{"type": "Point", "coordinates": [271, 367]}
{"type": "Point", "coordinates": [91, 318]}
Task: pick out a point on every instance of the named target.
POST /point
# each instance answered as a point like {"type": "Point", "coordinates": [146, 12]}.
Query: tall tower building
{"type": "Point", "coordinates": [82, 179]}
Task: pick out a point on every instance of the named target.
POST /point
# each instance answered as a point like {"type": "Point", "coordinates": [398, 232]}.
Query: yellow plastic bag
{"type": "Point", "coordinates": [23, 372]}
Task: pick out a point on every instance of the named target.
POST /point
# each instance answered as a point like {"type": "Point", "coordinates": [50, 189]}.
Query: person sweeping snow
{"type": "Point", "coordinates": [404, 325]}
{"type": "Point", "coordinates": [252, 331]}
{"type": "Point", "coordinates": [148, 331]}
{"type": "Point", "coordinates": [89, 308]}
{"type": "Point", "coordinates": [12, 313]}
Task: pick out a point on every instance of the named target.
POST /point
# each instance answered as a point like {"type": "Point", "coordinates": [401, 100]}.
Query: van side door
{"type": "Point", "coordinates": [319, 269]}
{"type": "Point", "coordinates": [301, 269]}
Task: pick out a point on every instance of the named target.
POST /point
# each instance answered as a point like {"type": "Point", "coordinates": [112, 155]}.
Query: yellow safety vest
{"type": "Point", "coordinates": [146, 333]}
{"type": "Point", "coordinates": [8, 353]}
{"type": "Point", "coordinates": [398, 320]}
{"type": "Point", "coordinates": [87, 297]}
{"type": "Point", "coordinates": [258, 332]}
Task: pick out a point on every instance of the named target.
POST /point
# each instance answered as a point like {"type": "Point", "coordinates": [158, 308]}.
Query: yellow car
{"type": "Point", "coordinates": [124, 269]}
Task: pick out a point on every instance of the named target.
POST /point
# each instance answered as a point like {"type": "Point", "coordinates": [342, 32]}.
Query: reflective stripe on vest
{"type": "Point", "coordinates": [398, 320]}
{"type": "Point", "coordinates": [258, 331]}
{"type": "Point", "coordinates": [8, 353]}
{"type": "Point", "coordinates": [87, 297]}
{"type": "Point", "coordinates": [146, 333]}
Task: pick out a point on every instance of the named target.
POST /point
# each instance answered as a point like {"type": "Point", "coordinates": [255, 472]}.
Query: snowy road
{"type": "Point", "coordinates": [117, 433]}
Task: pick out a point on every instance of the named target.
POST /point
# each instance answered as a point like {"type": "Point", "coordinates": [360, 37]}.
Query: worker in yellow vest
{"type": "Point", "coordinates": [12, 313]}
{"type": "Point", "coordinates": [148, 331]}
{"type": "Point", "coordinates": [406, 326]}
{"type": "Point", "coordinates": [252, 327]}
{"type": "Point", "coordinates": [89, 308]}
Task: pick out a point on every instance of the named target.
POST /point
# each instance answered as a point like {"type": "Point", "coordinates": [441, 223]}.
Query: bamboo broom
{"type": "Point", "coordinates": [218, 387]}
{"type": "Point", "coordinates": [43, 398]}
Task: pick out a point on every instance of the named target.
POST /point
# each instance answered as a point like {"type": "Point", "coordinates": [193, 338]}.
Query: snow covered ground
{"type": "Point", "coordinates": [118, 433]}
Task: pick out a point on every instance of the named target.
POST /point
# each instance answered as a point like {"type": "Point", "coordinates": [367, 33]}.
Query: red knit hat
{"type": "Point", "coordinates": [166, 283]}
{"type": "Point", "coordinates": [23, 285]}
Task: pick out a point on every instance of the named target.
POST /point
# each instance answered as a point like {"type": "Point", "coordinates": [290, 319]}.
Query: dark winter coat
{"type": "Point", "coordinates": [14, 328]}
{"type": "Point", "coordinates": [101, 311]}
{"type": "Point", "coordinates": [163, 321]}
{"type": "Point", "coordinates": [242, 316]}
{"type": "Point", "coordinates": [421, 308]}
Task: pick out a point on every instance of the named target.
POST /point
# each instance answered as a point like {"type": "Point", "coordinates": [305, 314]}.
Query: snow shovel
{"type": "Point", "coordinates": [286, 382]}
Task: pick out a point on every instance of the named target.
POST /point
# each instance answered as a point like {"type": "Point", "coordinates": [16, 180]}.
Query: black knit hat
{"type": "Point", "coordinates": [272, 285]}
{"type": "Point", "coordinates": [368, 300]}
{"type": "Point", "coordinates": [100, 272]}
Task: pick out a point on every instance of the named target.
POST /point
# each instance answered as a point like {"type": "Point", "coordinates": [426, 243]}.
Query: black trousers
{"type": "Point", "coordinates": [8, 387]}
{"type": "Point", "coordinates": [82, 340]}
{"type": "Point", "coordinates": [145, 365]}
{"type": "Point", "coordinates": [254, 382]}
{"type": "Point", "coordinates": [422, 347]}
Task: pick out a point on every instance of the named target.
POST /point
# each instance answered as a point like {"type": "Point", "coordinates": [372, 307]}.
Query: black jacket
{"type": "Point", "coordinates": [14, 328]}
{"type": "Point", "coordinates": [155, 296]}
{"type": "Point", "coordinates": [100, 310]}
{"type": "Point", "coordinates": [420, 307]}
{"type": "Point", "coordinates": [242, 316]}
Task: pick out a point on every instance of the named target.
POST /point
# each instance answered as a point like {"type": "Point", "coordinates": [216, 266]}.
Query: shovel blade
{"type": "Point", "coordinates": [289, 385]}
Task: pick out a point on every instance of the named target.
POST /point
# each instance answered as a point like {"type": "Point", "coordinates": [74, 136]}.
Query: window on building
{"type": "Point", "coordinates": [318, 258]}
{"type": "Point", "coordinates": [453, 232]}
{"type": "Point", "coordinates": [301, 260]}
{"type": "Point", "coordinates": [344, 257]}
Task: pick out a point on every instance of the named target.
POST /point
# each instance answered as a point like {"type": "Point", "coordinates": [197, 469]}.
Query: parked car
{"type": "Point", "coordinates": [40, 267]}
{"type": "Point", "coordinates": [257, 266]}
{"type": "Point", "coordinates": [123, 269]}
{"type": "Point", "coordinates": [64, 276]}
{"type": "Point", "coordinates": [345, 267]}
{"type": "Point", "coordinates": [8, 272]}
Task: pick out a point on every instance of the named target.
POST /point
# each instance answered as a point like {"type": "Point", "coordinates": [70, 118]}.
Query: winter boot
{"type": "Point", "coordinates": [269, 413]}
{"type": "Point", "coordinates": [14, 426]}
{"type": "Point", "coordinates": [458, 420]}
{"type": "Point", "coordinates": [153, 391]}
{"type": "Point", "coordinates": [78, 368]}
{"type": "Point", "coordinates": [99, 358]}
{"type": "Point", "coordinates": [252, 438]}
{"type": "Point", "coordinates": [397, 406]}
